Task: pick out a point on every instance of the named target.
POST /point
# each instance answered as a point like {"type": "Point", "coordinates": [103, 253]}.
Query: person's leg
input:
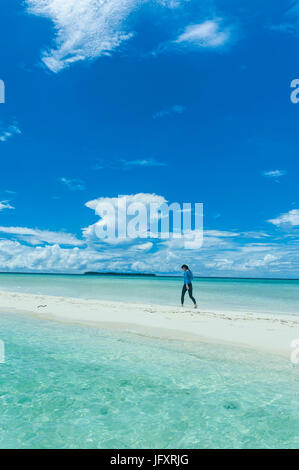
{"type": "Point", "coordinates": [190, 292]}
{"type": "Point", "coordinates": [183, 294]}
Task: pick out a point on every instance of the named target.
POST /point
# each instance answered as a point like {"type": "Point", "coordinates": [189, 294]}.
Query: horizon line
{"type": "Point", "coordinates": [92, 273]}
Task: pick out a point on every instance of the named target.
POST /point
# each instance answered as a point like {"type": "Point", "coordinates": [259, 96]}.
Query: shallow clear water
{"type": "Point", "coordinates": [242, 295]}
{"type": "Point", "coordinates": [66, 386]}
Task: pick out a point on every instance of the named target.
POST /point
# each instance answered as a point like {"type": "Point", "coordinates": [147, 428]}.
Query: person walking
{"type": "Point", "coordinates": [188, 278]}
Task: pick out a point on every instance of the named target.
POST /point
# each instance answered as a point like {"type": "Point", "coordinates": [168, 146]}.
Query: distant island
{"type": "Point", "coordinates": [93, 273]}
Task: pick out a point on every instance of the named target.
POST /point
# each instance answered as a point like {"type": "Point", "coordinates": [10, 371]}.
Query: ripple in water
{"type": "Point", "coordinates": [73, 387]}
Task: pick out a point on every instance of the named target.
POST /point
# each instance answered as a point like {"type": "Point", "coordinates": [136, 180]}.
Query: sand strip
{"type": "Point", "coordinates": [269, 333]}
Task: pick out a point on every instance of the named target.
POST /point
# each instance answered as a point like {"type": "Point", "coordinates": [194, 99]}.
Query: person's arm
{"type": "Point", "coordinates": [187, 279]}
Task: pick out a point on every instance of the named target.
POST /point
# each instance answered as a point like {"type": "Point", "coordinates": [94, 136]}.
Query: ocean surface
{"type": "Point", "coordinates": [234, 295]}
{"type": "Point", "coordinates": [65, 386]}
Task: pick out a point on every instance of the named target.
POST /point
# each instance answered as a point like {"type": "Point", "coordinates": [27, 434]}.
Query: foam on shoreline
{"type": "Point", "coordinates": [268, 333]}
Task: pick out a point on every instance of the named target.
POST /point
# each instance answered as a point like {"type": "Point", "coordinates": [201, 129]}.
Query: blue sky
{"type": "Point", "coordinates": [185, 99]}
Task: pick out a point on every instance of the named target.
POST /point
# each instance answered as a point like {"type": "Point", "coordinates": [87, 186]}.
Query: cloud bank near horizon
{"type": "Point", "coordinates": [224, 252]}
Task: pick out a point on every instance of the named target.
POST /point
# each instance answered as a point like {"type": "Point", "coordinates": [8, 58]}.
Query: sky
{"type": "Point", "coordinates": [175, 100]}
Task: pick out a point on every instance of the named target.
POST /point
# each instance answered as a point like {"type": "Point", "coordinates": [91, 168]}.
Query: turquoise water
{"type": "Point", "coordinates": [67, 387]}
{"type": "Point", "coordinates": [263, 296]}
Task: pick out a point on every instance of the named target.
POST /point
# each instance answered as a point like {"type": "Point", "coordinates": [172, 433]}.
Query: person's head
{"type": "Point", "coordinates": [185, 267]}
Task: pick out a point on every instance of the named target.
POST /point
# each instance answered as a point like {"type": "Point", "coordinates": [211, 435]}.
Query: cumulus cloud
{"type": "Point", "coordinates": [223, 252]}
{"type": "Point", "coordinates": [5, 205]}
{"type": "Point", "coordinates": [15, 256]}
{"type": "Point", "coordinates": [9, 132]}
{"type": "Point", "coordinates": [290, 218]}
{"type": "Point", "coordinates": [219, 256]}
{"type": "Point", "coordinates": [209, 34]}
{"type": "Point", "coordinates": [107, 208]}
{"type": "Point", "coordinates": [144, 198]}
{"type": "Point", "coordinates": [129, 219]}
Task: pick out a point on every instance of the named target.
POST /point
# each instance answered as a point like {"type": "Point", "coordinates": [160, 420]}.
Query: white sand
{"type": "Point", "coordinates": [262, 332]}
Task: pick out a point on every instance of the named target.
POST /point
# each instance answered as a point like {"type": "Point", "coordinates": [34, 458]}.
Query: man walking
{"type": "Point", "coordinates": [188, 278]}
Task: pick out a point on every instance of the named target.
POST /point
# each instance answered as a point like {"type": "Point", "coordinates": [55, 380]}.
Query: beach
{"type": "Point", "coordinates": [96, 362]}
{"type": "Point", "coordinates": [268, 333]}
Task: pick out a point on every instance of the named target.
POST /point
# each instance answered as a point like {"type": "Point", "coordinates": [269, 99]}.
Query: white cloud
{"type": "Point", "coordinates": [170, 3]}
{"type": "Point", "coordinates": [145, 246]}
{"type": "Point", "coordinates": [36, 236]}
{"type": "Point", "coordinates": [253, 234]}
{"type": "Point", "coordinates": [208, 34]}
{"type": "Point", "coordinates": [221, 233]}
{"type": "Point", "coordinates": [259, 262]}
{"type": "Point", "coordinates": [72, 184]}
{"type": "Point", "coordinates": [86, 29]}
{"type": "Point", "coordinates": [175, 109]}
{"type": "Point", "coordinates": [9, 132]}
{"type": "Point", "coordinates": [274, 173]}
{"type": "Point", "coordinates": [91, 232]}
{"type": "Point", "coordinates": [146, 162]}
{"type": "Point", "coordinates": [15, 256]}
{"type": "Point", "coordinates": [224, 252]}
{"type": "Point", "coordinates": [289, 218]}
{"type": "Point", "coordinates": [228, 259]}
{"type": "Point", "coordinates": [5, 205]}
{"type": "Point", "coordinates": [144, 198]}
{"type": "Point", "coordinates": [127, 164]}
